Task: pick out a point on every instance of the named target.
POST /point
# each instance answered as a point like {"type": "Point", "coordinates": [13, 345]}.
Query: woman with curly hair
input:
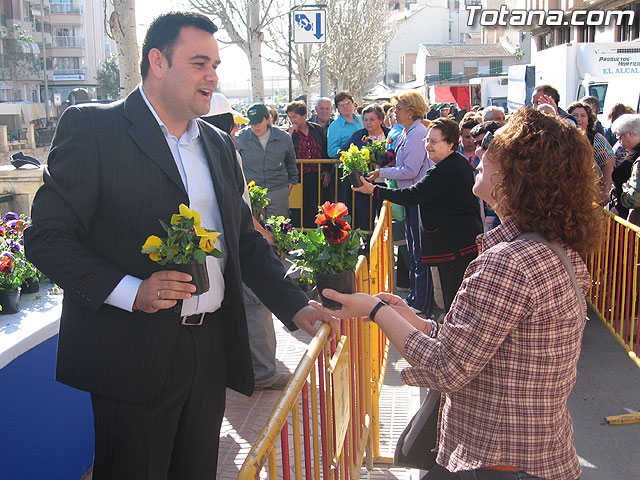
{"type": "Point", "coordinates": [506, 357]}
{"type": "Point", "coordinates": [602, 152]}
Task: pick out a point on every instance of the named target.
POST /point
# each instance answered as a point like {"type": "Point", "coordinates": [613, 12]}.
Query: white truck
{"type": "Point", "coordinates": [609, 71]}
{"type": "Point", "coordinates": [486, 91]}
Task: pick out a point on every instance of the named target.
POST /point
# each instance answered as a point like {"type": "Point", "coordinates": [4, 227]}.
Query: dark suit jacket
{"type": "Point", "coordinates": [110, 178]}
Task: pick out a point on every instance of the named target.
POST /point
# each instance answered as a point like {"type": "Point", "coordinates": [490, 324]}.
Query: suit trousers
{"type": "Point", "coordinates": [175, 434]}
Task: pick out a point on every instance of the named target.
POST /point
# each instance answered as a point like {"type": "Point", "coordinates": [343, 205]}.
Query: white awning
{"type": "Point", "coordinates": [30, 47]}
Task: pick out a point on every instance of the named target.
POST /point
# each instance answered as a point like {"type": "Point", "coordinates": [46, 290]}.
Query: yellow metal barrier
{"type": "Point", "coordinates": [330, 404]}
{"type": "Point", "coordinates": [298, 192]}
{"type": "Point", "coordinates": [614, 282]}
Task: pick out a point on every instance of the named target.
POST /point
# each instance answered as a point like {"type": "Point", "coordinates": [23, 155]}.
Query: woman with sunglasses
{"type": "Point", "coordinates": [449, 211]}
{"type": "Point", "coordinates": [506, 357]}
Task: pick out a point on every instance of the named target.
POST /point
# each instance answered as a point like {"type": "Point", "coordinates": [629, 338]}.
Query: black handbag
{"type": "Point", "coordinates": [420, 436]}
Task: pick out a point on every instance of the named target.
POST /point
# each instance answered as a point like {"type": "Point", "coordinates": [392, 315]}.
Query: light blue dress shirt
{"type": "Point", "coordinates": [340, 131]}
{"type": "Point", "coordinates": [192, 164]}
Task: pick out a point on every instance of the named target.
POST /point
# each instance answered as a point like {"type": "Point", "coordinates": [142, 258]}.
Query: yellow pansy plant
{"type": "Point", "coordinates": [355, 160]}
{"type": "Point", "coordinates": [187, 240]}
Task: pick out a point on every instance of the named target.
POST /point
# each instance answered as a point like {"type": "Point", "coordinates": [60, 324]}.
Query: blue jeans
{"type": "Point", "coordinates": [440, 473]}
{"type": "Point", "coordinates": [420, 282]}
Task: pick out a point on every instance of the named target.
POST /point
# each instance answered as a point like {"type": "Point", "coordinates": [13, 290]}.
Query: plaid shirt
{"type": "Point", "coordinates": [505, 360]}
{"type": "Point", "coordinates": [307, 149]}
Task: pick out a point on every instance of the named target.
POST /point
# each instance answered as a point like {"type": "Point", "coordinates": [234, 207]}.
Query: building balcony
{"type": "Point", "coordinates": [67, 8]}
{"type": "Point", "coordinates": [69, 74]}
{"type": "Point", "coordinates": [67, 42]}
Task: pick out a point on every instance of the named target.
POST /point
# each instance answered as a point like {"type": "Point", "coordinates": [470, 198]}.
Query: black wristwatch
{"type": "Point", "coordinates": [380, 304]}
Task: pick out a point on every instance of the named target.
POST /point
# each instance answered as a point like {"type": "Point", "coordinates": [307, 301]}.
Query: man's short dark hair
{"type": "Point", "coordinates": [485, 127]}
{"type": "Point", "coordinates": [164, 32]}
{"type": "Point", "coordinates": [340, 96]}
{"type": "Point", "coordinates": [299, 108]}
{"type": "Point", "coordinates": [469, 124]}
{"type": "Point", "coordinates": [549, 91]}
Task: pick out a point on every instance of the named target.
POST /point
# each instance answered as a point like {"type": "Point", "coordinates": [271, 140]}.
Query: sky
{"type": "Point", "coordinates": [234, 69]}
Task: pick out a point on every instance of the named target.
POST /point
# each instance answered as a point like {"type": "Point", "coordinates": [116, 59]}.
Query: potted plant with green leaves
{"type": "Point", "coordinates": [11, 277]}
{"type": "Point", "coordinates": [12, 227]}
{"type": "Point", "coordinates": [355, 163]}
{"type": "Point", "coordinates": [285, 236]}
{"type": "Point", "coordinates": [331, 251]}
{"type": "Point", "coordinates": [378, 150]}
{"type": "Point", "coordinates": [258, 198]}
{"type": "Point", "coordinates": [185, 248]}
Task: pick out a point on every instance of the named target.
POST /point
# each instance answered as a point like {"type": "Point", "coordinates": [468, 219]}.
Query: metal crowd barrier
{"type": "Point", "coordinates": [327, 417]}
{"type": "Point", "coordinates": [614, 292]}
{"type": "Point", "coordinates": [303, 189]}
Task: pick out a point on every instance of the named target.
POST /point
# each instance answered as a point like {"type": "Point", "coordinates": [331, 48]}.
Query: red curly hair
{"type": "Point", "coordinates": [549, 180]}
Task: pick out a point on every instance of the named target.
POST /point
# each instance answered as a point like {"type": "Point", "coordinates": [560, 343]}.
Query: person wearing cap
{"type": "Point", "coordinates": [268, 158]}
{"type": "Point", "coordinates": [222, 115]}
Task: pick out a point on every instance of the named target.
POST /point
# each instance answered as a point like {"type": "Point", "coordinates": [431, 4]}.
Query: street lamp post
{"type": "Point", "coordinates": [44, 65]}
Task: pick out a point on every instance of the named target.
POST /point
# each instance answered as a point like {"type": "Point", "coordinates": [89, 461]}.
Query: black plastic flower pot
{"type": "Point", "coordinates": [10, 301]}
{"type": "Point", "coordinates": [344, 282]}
{"type": "Point", "coordinates": [312, 293]}
{"type": "Point", "coordinates": [30, 285]}
{"type": "Point", "coordinates": [198, 272]}
{"type": "Point", "coordinates": [354, 178]}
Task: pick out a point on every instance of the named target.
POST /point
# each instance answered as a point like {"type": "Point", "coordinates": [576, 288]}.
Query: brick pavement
{"type": "Point", "coordinates": [245, 416]}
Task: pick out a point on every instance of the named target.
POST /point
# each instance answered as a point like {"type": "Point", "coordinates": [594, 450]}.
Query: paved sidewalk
{"type": "Point", "coordinates": [608, 384]}
{"type": "Point", "coordinates": [245, 416]}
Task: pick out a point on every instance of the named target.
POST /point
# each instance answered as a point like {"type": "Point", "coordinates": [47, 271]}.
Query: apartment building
{"type": "Point", "coordinates": [70, 34]}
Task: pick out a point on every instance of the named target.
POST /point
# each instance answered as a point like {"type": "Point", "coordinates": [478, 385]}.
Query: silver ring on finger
{"type": "Point", "coordinates": [158, 292]}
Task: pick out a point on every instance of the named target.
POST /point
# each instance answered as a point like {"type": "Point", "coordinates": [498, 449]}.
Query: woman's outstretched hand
{"type": "Point", "coordinates": [353, 304]}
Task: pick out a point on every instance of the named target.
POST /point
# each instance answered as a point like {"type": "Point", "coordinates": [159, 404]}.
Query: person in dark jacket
{"type": "Point", "coordinates": [449, 210]}
{"type": "Point", "coordinates": [309, 142]}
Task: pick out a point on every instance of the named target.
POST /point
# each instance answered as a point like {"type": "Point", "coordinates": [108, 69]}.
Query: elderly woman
{"type": "Point", "coordinates": [627, 130]}
{"type": "Point", "coordinates": [411, 165]}
{"type": "Point", "coordinates": [449, 211]}
{"type": "Point", "coordinates": [602, 151]}
{"type": "Point", "coordinates": [506, 357]}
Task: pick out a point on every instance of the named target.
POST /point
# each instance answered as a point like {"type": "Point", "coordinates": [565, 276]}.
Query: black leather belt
{"type": "Point", "coordinates": [193, 320]}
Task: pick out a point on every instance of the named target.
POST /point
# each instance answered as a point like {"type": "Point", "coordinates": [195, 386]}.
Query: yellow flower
{"type": "Point", "coordinates": [365, 152]}
{"type": "Point", "coordinates": [251, 184]}
{"type": "Point", "coordinates": [186, 212]}
{"type": "Point", "coordinates": [153, 241]}
{"type": "Point", "coordinates": [353, 149]}
{"type": "Point", "coordinates": [207, 239]}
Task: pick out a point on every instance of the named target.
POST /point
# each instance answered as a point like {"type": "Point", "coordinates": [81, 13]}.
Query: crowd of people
{"type": "Point", "coordinates": [498, 213]}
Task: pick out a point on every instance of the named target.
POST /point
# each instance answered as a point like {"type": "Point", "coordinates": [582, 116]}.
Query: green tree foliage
{"type": "Point", "coordinates": [108, 78]}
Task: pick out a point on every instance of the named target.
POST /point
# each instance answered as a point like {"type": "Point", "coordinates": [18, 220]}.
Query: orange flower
{"type": "Point", "coordinates": [334, 228]}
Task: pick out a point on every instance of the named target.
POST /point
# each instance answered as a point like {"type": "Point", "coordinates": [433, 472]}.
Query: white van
{"type": "Point", "coordinates": [620, 90]}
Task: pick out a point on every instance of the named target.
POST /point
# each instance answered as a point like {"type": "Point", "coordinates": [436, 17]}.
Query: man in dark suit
{"type": "Point", "coordinates": [155, 359]}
